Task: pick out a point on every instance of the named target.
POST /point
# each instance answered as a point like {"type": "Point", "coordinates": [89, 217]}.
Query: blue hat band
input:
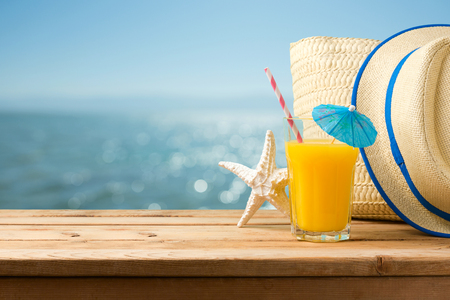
{"type": "Point", "coordinates": [396, 150]}
{"type": "Point", "coordinates": [394, 147]}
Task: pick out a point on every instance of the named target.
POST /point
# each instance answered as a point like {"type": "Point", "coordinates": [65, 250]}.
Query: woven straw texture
{"type": "Point", "coordinates": [420, 109]}
{"type": "Point", "coordinates": [323, 72]}
{"type": "Point", "coordinates": [371, 102]}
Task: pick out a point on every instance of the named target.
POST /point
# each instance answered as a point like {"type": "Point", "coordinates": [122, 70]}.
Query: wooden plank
{"type": "Point", "coordinates": [160, 217]}
{"type": "Point", "coordinates": [389, 288]}
{"type": "Point", "coordinates": [192, 243]}
{"type": "Point", "coordinates": [192, 221]}
{"type": "Point", "coordinates": [265, 249]}
{"type": "Point", "coordinates": [269, 261]}
{"type": "Point", "coordinates": [230, 213]}
{"type": "Point", "coordinates": [161, 221]}
{"type": "Point", "coordinates": [142, 233]}
{"type": "Point", "coordinates": [360, 232]}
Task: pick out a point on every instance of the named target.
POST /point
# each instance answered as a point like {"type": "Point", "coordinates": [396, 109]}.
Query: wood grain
{"type": "Point", "coordinates": [67, 243]}
{"type": "Point", "coordinates": [366, 232]}
{"type": "Point", "coordinates": [387, 288]}
{"type": "Point", "coordinates": [235, 213]}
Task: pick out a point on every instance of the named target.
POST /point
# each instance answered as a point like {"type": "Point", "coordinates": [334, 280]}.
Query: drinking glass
{"type": "Point", "coordinates": [321, 171]}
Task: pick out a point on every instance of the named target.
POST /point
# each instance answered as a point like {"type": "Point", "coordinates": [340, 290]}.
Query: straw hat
{"type": "Point", "coordinates": [403, 87]}
{"type": "Point", "coordinates": [323, 71]}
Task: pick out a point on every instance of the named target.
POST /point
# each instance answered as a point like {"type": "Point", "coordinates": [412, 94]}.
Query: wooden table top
{"type": "Point", "coordinates": [205, 244]}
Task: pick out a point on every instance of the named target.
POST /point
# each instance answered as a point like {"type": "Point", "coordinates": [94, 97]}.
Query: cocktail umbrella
{"type": "Point", "coordinates": [345, 124]}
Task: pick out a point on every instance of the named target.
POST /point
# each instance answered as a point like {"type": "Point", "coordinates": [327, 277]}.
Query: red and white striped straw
{"type": "Point", "coordinates": [283, 105]}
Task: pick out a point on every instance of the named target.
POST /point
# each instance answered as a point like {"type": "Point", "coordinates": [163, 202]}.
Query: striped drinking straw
{"type": "Point", "coordinates": [283, 105]}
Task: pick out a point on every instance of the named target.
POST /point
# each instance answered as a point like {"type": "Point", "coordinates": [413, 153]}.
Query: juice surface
{"type": "Point", "coordinates": [320, 183]}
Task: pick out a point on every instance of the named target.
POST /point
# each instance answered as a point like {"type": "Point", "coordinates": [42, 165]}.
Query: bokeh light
{"type": "Point", "coordinates": [127, 162]}
{"type": "Point", "coordinates": [201, 186]}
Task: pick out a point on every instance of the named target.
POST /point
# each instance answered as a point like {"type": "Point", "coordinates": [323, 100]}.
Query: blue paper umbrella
{"type": "Point", "coordinates": [345, 124]}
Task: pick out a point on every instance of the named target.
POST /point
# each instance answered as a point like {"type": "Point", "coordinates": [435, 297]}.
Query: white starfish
{"type": "Point", "coordinates": [267, 181]}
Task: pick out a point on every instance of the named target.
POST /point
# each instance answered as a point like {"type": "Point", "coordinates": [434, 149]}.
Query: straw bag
{"type": "Point", "coordinates": [323, 72]}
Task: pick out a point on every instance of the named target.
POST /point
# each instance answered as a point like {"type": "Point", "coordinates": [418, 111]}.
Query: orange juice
{"type": "Point", "coordinates": [320, 183]}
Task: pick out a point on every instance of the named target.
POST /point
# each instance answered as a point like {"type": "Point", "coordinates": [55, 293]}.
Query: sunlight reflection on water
{"type": "Point", "coordinates": [156, 162]}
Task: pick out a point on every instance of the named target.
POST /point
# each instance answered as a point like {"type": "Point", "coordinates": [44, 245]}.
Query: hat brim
{"type": "Point", "coordinates": [369, 96]}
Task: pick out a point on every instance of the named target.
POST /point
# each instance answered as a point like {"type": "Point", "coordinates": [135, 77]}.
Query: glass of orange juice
{"type": "Point", "coordinates": [321, 171]}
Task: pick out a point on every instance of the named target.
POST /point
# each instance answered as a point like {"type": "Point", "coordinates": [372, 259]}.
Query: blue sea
{"type": "Point", "coordinates": [130, 161]}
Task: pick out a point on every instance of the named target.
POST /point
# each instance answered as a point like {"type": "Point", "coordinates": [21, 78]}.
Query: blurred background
{"type": "Point", "coordinates": [131, 104]}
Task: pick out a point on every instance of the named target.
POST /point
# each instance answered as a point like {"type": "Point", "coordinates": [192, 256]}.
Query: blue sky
{"type": "Point", "coordinates": [155, 55]}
